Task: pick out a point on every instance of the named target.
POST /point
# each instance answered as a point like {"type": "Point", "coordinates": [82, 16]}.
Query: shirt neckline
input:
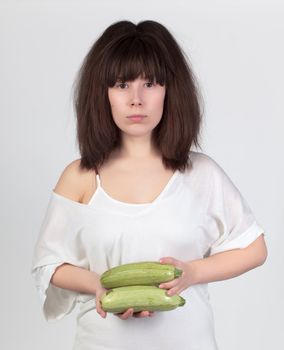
{"type": "Point", "coordinates": [122, 203]}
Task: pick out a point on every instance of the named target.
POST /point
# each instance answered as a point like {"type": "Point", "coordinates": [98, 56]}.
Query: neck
{"type": "Point", "coordinates": [138, 148]}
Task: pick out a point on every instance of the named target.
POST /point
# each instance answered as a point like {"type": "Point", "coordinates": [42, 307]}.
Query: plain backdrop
{"type": "Point", "coordinates": [236, 50]}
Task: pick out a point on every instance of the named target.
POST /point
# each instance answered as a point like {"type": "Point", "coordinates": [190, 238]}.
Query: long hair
{"type": "Point", "coordinates": [126, 51]}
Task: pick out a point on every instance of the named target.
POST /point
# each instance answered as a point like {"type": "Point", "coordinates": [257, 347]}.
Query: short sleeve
{"type": "Point", "coordinates": [234, 224]}
{"type": "Point", "coordinates": [59, 241]}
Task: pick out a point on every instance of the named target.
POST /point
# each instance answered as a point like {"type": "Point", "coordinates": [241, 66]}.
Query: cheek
{"type": "Point", "coordinates": [158, 102]}
{"type": "Point", "coordinates": [113, 99]}
{"type": "Point", "coordinates": [116, 102]}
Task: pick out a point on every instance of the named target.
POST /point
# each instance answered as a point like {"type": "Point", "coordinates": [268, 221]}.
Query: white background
{"type": "Point", "coordinates": [236, 49]}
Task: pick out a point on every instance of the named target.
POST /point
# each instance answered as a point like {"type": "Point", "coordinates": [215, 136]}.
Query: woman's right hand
{"type": "Point", "coordinates": [100, 290]}
{"type": "Point", "coordinates": [130, 313]}
{"type": "Point", "coordinates": [124, 315]}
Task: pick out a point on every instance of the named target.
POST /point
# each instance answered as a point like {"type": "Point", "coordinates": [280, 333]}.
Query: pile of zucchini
{"type": "Point", "coordinates": [135, 285]}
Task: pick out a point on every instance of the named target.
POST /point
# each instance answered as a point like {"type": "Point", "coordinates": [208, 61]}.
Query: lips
{"type": "Point", "coordinates": [136, 116]}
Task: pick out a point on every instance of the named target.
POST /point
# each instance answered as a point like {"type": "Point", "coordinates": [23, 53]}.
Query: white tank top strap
{"type": "Point", "coordinates": [98, 180]}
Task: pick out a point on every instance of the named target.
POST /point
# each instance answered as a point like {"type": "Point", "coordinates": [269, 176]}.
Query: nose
{"type": "Point", "coordinates": [136, 96]}
{"type": "Point", "coordinates": [136, 103]}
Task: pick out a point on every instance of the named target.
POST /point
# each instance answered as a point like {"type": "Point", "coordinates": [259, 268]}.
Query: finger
{"type": "Point", "coordinates": [168, 260]}
{"type": "Point", "coordinates": [176, 289]}
{"type": "Point", "coordinates": [144, 313]}
{"type": "Point", "coordinates": [141, 314]}
{"type": "Point", "coordinates": [99, 309]}
{"type": "Point", "coordinates": [172, 261]}
{"type": "Point", "coordinates": [125, 315]}
{"type": "Point", "coordinates": [171, 292]}
{"type": "Point", "coordinates": [101, 312]}
{"type": "Point", "coordinates": [170, 284]}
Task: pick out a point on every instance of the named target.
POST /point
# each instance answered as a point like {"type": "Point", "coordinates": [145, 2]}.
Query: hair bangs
{"type": "Point", "coordinates": [133, 59]}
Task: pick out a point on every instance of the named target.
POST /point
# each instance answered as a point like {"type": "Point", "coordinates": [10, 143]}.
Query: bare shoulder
{"type": "Point", "coordinates": [74, 182]}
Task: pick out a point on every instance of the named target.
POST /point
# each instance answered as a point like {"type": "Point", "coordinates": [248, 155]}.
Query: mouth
{"type": "Point", "coordinates": [136, 117]}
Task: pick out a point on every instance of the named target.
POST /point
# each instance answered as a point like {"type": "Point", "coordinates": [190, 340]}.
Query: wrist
{"type": "Point", "coordinates": [194, 272]}
{"type": "Point", "coordinates": [94, 282]}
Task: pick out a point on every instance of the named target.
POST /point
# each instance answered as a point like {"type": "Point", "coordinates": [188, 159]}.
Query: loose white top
{"type": "Point", "coordinates": [198, 213]}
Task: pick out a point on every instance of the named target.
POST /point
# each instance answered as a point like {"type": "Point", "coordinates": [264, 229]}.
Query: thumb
{"type": "Point", "coordinates": [169, 260]}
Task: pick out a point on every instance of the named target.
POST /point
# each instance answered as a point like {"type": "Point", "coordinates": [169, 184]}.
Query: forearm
{"type": "Point", "coordinates": [75, 278]}
{"type": "Point", "coordinates": [228, 264]}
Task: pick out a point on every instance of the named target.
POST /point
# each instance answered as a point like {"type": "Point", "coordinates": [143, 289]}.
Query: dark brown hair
{"type": "Point", "coordinates": [126, 51]}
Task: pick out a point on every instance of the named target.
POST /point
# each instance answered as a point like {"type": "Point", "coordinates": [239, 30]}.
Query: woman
{"type": "Point", "coordinates": [139, 192]}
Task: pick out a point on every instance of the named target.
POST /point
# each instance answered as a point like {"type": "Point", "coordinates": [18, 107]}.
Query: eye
{"type": "Point", "coordinates": [120, 84]}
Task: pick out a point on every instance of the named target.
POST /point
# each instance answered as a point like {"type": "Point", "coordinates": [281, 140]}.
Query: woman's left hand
{"type": "Point", "coordinates": [181, 283]}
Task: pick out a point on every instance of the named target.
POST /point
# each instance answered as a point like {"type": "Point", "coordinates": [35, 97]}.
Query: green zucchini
{"type": "Point", "coordinates": [140, 298]}
{"type": "Point", "coordinates": [145, 273]}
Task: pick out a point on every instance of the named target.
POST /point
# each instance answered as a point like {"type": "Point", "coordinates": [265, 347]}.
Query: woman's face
{"type": "Point", "coordinates": [138, 97]}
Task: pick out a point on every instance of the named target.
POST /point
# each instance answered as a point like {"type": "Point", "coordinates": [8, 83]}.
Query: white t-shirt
{"type": "Point", "coordinates": [198, 213]}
